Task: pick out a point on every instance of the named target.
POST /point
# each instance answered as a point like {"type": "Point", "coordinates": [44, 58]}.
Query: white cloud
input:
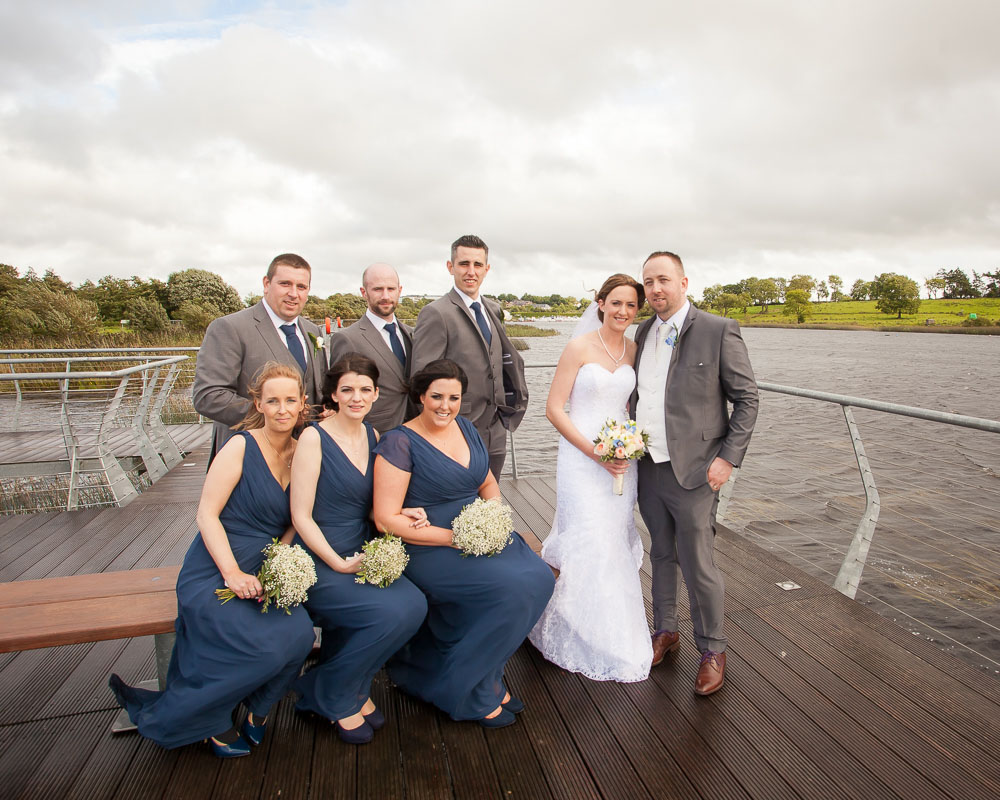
{"type": "Point", "coordinates": [768, 138]}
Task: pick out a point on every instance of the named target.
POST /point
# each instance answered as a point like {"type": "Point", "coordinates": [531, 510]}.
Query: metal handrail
{"type": "Point", "coordinates": [849, 576]}
{"type": "Point", "coordinates": [117, 373]}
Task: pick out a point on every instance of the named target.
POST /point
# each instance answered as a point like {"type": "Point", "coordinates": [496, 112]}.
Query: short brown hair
{"type": "Point", "coordinates": [668, 254]}
{"type": "Point", "coordinates": [289, 260]}
{"type": "Point", "coordinates": [469, 240]}
{"type": "Point", "coordinates": [351, 362]}
{"type": "Point", "coordinates": [272, 369]}
{"type": "Point", "coordinates": [442, 368]}
{"type": "Point", "coordinates": [612, 283]}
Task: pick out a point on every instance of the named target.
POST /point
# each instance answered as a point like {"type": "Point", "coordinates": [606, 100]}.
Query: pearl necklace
{"type": "Point", "coordinates": [616, 360]}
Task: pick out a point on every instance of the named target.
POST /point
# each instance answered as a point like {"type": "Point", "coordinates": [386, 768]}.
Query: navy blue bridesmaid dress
{"type": "Point", "coordinates": [232, 653]}
{"type": "Point", "coordinates": [362, 624]}
{"type": "Point", "coordinates": [480, 609]}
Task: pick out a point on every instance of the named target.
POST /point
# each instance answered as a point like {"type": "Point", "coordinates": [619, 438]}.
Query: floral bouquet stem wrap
{"type": "Point", "coordinates": [620, 440]}
{"type": "Point", "coordinates": [483, 528]}
{"type": "Point", "coordinates": [384, 561]}
{"type": "Point", "coordinates": [287, 574]}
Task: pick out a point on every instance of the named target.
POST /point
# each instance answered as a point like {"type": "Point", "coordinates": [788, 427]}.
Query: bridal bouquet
{"type": "Point", "coordinates": [483, 528]}
{"type": "Point", "coordinates": [621, 440]}
{"type": "Point", "coordinates": [385, 559]}
{"type": "Point", "coordinates": [287, 574]}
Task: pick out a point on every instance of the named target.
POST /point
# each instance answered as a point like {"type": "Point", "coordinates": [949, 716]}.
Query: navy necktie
{"type": "Point", "coordinates": [294, 345]}
{"type": "Point", "coordinates": [481, 320]}
{"type": "Point", "coordinates": [395, 344]}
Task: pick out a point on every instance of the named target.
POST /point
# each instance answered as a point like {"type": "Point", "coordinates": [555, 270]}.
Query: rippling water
{"type": "Point", "coordinates": [934, 564]}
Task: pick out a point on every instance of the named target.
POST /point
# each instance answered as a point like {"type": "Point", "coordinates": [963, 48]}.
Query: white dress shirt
{"type": "Point", "coordinates": [278, 322]}
{"type": "Point", "coordinates": [470, 300]}
{"type": "Point", "coordinates": [652, 381]}
{"type": "Point", "coordinates": [380, 324]}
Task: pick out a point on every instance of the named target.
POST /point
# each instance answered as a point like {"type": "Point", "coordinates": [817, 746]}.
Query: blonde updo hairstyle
{"type": "Point", "coordinates": [272, 369]}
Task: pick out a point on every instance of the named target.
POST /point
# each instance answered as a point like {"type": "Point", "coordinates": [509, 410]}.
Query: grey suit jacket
{"type": "Point", "coordinates": [447, 328]}
{"type": "Point", "coordinates": [709, 366]}
{"type": "Point", "coordinates": [393, 406]}
{"type": "Point", "coordinates": [233, 351]}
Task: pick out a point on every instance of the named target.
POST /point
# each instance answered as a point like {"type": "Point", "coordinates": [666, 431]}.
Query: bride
{"type": "Point", "coordinates": [595, 623]}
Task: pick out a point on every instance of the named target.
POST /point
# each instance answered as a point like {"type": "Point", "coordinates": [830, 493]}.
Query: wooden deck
{"type": "Point", "coordinates": [823, 699]}
{"type": "Point", "coordinates": [25, 447]}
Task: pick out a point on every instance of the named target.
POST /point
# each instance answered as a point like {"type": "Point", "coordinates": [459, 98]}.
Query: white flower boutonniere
{"type": "Point", "coordinates": [318, 342]}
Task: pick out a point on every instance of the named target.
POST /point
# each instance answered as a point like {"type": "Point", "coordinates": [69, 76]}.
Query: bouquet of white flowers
{"type": "Point", "coordinates": [622, 440]}
{"type": "Point", "coordinates": [287, 574]}
{"type": "Point", "coordinates": [384, 561]}
{"type": "Point", "coordinates": [483, 528]}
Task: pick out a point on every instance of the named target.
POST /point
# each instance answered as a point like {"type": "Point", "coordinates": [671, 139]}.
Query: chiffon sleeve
{"type": "Point", "coordinates": [394, 447]}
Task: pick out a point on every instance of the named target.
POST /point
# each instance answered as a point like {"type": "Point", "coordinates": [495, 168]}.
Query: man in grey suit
{"type": "Point", "coordinates": [237, 345]}
{"type": "Point", "coordinates": [384, 339]}
{"type": "Point", "coordinates": [688, 364]}
{"type": "Point", "coordinates": [468, 329]}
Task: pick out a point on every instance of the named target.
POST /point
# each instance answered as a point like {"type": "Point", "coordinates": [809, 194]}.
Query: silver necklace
{"type": "Point", "coordinates": [616, 360]}
{"type": "Point", "coordinates": [288, 462]}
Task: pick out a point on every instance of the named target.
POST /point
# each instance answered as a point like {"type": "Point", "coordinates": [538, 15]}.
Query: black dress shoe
{"type": "Point", "coordinates": [359, 735]}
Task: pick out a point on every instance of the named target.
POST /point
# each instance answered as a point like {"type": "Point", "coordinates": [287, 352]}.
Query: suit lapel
{"type": "Point", "coordinates": [271, 336]}
{"type": "Point", "coordinates": [467, 313]}
{"type": "Point", "coordinates": [378, 345]}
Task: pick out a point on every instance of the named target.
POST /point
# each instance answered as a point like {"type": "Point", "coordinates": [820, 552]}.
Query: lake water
{"type": "Point", "coordinates": [934, 564]}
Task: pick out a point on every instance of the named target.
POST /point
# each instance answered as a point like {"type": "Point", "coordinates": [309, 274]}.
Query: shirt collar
{"type": "Point", "coordinates": [677, 319]}
{"type": "Point", "coordinates": [468, 300]}
{"type": "Point", "coordinates": [378, 322]}
{"type": "Point", "coordinates": [275, 319]}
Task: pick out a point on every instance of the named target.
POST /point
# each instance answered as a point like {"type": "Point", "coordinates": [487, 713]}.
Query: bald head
{"type": "Point", "coordinates": [381, 289]}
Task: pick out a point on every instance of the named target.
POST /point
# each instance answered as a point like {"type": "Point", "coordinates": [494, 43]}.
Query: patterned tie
{"type": "Point", "coordinates": [394, 343]}
{"type": "Point", "coordinates": [294, 345]}
{"type": "Point", "coordinates": [481, 320]}
{"type": "Point", "coordinates": [666, 337]}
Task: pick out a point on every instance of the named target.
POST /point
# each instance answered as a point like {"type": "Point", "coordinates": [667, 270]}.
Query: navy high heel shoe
{"type": "Point", "coordinates": [233, 750]}
{"type": "Point", "coordinates": [376, 719]}
{"type": "Point", "coordinates": [501, 720]}
{"type": "Point", "coordinates": [514, 705]}
{"type": "Point", "coordinates": [359, 735]}
{"type": "Point", "coordinates": [253, 733]}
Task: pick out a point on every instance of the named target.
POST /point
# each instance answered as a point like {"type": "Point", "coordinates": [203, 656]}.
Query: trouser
{"type": "Point", "coordinates": [681, 524]}
{"type": "Point", "coordinates": [495, 438]}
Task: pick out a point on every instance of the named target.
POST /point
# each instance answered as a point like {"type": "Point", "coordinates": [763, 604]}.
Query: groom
{"type": "Point", "coordinates": [688, 364]}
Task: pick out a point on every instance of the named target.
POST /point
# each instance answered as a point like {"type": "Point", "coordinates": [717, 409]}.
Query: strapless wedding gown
{"type": "Point", "coordinates": [595, 623]}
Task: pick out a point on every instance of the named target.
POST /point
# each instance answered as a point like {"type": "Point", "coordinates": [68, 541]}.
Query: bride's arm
{"type": "Point", "coordinates": [555, 406]}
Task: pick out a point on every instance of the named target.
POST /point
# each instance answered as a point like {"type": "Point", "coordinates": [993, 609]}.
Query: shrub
{"type": "Point", "coordinates": [146, 315]}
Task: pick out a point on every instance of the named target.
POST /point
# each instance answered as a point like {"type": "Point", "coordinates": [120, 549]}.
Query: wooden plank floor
{"type": "Point", "coordinates": [24, 447]}
{"type": "Point", "coordinates": [823, 699]}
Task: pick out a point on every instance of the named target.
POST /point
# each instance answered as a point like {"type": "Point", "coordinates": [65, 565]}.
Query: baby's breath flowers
{"type": "Point", "coordinates": [287, 574]}
{"type": "Point", "coordinates": [483, 528]}
{"type": "Point", "coordinates": [384, 561]}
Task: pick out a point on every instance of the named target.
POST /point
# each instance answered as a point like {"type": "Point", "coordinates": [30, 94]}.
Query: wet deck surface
{"type": "Point", "coordinates": [823, 699]}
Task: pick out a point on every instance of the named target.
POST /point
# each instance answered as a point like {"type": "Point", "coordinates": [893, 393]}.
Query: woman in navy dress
{"type": "Point", "coordinates": [230, 653]}
{"type": "Point", "coordinates": [479, 608]}
{"type": "Point", "coordinates": [331, 508]}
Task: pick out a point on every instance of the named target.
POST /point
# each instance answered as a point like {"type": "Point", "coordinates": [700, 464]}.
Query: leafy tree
{"type": "Point", "coordinates": [765, 292]}
{"type": "Point", "coordinates": [711, 294]}
{"type": "Point", "coordinates": [782, 285]}
{"type": "Point", "coordinates": [204, 289]}
{"type": "Point", "coordinates": [956, 284]}
{"type": "Point", "coordinates": [990, 283]}
{"type": "Point", "coordinates": [896, 293]}
{"type": "Point", "coordinates": [804, 282]}
{"type": "Point", "coordinates": [506, 297]}
{"type": "Point", "coordinates": [725, 301]}
{"type": "Point", "coordinates": [146, 315]}
{"type": "Point", "coordinates": [8, 279]}
{"type": "Point", "coordinates": [836, 288]}
{"type": "Point", "coordinates": [933, 286]}
{"type": "Point", "coordinates": [32, 309]}
{"type": "Point", "coordinates": [821, 291]}
{"type": "Point", "coordinates": [197, 316]}
{"type": "Point", "coordinates": [797, 304]}
{"type": "Point", "coordinates": [861, 290]}
{"type": "Point", "coordinates": [55, 283]}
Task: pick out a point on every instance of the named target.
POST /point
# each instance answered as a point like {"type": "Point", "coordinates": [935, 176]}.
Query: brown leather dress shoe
{"type": "Point", "coordinates": [664, 642]}
{"type": "Point", "coordinates": [711, 673]}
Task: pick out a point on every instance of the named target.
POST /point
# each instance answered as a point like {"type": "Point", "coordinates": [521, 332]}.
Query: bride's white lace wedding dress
{"type": "Point", "coordinates": [595, 623]}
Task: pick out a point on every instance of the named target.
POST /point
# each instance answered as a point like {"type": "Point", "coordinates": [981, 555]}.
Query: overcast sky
{"type": "Point", "coordinates": [753, 138]}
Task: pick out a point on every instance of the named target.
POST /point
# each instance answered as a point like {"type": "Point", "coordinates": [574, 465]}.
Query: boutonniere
{"type": "Point", "coordinates": [318, 342]}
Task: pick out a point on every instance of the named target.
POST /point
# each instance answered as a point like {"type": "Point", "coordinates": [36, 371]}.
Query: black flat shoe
{"type": "Point", "coordinates": [514, 705]}
{"type": "Point", "coordinates": [501, 720]}
{"type": "Point", "coordinates": [359, 735]}
{"type": "Point", "coordinates": [376, 719]}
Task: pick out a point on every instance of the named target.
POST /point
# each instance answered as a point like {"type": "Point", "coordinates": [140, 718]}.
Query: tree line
{"type": "Point", "coordinates": [892, 293]}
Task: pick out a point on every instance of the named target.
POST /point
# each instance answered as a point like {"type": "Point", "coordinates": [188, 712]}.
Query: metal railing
{"type": "Point", "coordinates": [84, 406]}
{"type": "Point", "coordinates": [849, 575]}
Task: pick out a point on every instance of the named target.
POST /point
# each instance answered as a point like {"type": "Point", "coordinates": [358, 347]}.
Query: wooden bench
{"type": "Point", "coordinates": [92, 608]}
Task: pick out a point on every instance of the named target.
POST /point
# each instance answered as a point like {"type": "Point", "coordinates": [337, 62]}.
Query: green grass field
{"type": "Point", "coordinates": [853, 313]}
